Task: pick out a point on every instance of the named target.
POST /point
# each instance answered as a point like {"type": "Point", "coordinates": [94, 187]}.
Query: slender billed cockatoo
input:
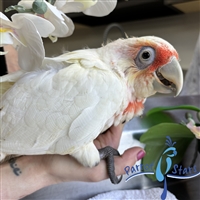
{"type": "Point", "coordinates": [62, 106]}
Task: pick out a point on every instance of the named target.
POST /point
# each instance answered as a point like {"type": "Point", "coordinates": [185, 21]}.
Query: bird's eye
{"type": "Point", "coordinates": [145, 57]}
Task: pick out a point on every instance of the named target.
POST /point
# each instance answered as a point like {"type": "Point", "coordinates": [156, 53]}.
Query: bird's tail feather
{"type": "Point", "coordinates": [4, 86]}
{"type": "Point", "coordinates": [8, 157]}
{"type": "Point", "coordinates": [8, 80]}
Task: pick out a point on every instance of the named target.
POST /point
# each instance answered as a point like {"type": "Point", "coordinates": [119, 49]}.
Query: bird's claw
{"type": "Point", "coordinates": [108, 154]}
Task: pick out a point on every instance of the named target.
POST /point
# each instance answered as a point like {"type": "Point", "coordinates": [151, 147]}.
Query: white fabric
{"type": "Point", "coordinates": [127, 141]}
{"type": "Point", "coordinates": [153, 194]}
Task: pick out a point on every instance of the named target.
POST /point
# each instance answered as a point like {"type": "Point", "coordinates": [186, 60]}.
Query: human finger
{"type": "Point", "coordinates": [128, 158]}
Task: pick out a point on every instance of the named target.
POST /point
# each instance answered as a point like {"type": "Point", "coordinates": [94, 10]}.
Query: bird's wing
{"type": "Point", "coordinates": [71, 105]}
{"type": "Point", "coordinates": [7, 81]}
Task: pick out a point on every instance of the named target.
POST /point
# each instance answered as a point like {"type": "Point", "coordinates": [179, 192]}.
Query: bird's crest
{"type": "Point", "coordinates": [169, 142]}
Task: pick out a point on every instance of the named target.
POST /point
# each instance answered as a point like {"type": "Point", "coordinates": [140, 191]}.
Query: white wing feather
{"type": "Point", "coordinates": [59, 111]}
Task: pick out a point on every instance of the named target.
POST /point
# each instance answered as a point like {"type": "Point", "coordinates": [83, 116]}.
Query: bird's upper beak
{"type": "Point", "coordinates": [169, 78]}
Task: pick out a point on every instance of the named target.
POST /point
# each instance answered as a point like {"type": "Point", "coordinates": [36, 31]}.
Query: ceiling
{"type": "Point", "coordinates": [131, 10]}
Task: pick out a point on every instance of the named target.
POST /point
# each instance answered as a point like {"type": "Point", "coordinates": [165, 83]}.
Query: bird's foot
{"type": "Point", "coordinates": [108, 154]}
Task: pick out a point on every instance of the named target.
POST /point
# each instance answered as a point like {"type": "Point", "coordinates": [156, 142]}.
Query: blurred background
{"type": "Point", "coordinates": [177, 21]}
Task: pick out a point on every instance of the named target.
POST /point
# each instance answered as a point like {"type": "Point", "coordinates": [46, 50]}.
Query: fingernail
{"type": "Point", "coordinates": [141, 154]}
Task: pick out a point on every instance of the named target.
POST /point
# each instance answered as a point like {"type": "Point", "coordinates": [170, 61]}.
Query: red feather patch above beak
{"type": "Point", "coordinates": [163, 55]}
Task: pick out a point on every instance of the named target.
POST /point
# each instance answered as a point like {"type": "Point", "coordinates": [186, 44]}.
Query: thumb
{"type": "Point", "coordinates": [128, 158]}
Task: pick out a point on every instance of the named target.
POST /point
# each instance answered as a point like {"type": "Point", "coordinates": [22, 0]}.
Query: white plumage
{"type": "Point", "coordinates": [59, 110]}
{"type": "Point", "coordinates": [62, 106]}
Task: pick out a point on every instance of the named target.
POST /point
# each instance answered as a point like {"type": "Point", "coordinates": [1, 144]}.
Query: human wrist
{"type": "Point", "coordinates": [23, 176]}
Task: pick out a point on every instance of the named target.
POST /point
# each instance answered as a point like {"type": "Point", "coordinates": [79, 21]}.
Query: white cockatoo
{"type": "Point", "coordinates": [61, 107]}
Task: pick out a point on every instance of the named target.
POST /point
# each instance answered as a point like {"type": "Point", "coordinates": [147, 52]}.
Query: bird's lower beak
{"type": "Point", "coordinates": [169, 78]}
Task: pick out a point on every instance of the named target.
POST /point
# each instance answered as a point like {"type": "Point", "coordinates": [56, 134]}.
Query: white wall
{"type": "Point", "coordinates": [181, 31]}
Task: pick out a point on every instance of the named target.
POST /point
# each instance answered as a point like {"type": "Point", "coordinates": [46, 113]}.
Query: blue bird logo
{"type": "Point", "coordinates": [169, 152]}
{"type": "Point", "coordinates": [162, 168]}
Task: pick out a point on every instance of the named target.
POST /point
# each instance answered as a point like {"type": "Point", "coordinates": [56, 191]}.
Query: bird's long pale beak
{"type": "Point", "coordinates": [169, 78]}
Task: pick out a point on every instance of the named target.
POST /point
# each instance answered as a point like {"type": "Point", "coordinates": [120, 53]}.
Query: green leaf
{"type": "Point", "coordinates": [198, 116]}
{"type": "Point", "coordinates": [184, 107]}
{"type": "Point", "coordinates": [19, 9]}
{"type": "Point", "coordinates": [156, 118]}
{"type": "Point", "coordinates": [39, 7]}
{"type": "Point", "coordinates": [155, 139]}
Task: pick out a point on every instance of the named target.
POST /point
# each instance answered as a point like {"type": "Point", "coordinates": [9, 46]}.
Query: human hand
{"type": "Point", "coordinates": [66, 168]}
{"type": "Point", "coordinates": [36, 172]}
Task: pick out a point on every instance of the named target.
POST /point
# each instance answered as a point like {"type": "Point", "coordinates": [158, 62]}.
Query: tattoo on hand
{"type": "Point", "coordinates": [13, 165]}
